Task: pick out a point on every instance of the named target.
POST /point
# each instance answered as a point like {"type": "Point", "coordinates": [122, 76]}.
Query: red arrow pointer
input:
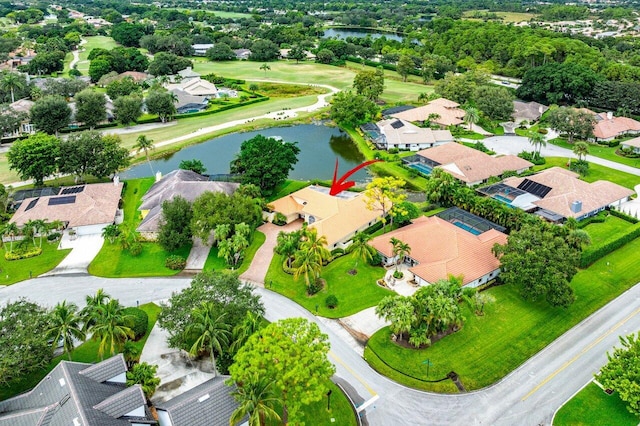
{"type": "Point", "coordinates": [340, 185]}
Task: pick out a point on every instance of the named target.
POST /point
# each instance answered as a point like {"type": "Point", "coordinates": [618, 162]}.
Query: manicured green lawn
{"type": "Point", "coordinates": [489, 347]}
{"type": "Point", "coordinates": [93, 42]}
{"type": "Point", "coordinates": [132, 199]}
{"type": "Point", "coordinates": [86, 352]}
{"type": "Point", "coordinates": [610, 229]}
{"type": "Point", "coordinates": [19, 270]}
{"type": "Point", "coordinates": [339, 414]}
{"type": "Point", "coordinates": [289, 187]}
{"type": "Point", "coordinates": [113, 262]}
{"type": "Point", "coordinates": [218, 263]}
{"type": "Point", "coordinates": [596, 172]}
{"type": "Point", "coordinates": [354, 292]}
{"type": "Point", "coordinates": [602, 151]}
{"type": "Point", "coordinates": [591, 406]}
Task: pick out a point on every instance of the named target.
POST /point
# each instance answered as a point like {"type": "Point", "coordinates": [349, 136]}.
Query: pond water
{"type": "Point", "coordinates": [319, 147]}
{"type": "Point", "coordinates": [344, 33]}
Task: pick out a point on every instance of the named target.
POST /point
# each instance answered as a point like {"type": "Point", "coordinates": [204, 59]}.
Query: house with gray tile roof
{"type": "Point", "coordinates": [185, 183]}
{"type": "Point", "coordinates": [80, 394]}
{"type": "Point", "coordinates": [208, 404]}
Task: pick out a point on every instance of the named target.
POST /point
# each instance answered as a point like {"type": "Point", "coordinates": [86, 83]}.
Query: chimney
{"type": "Point", "coordinates": [576, 206]}
{"type": "Point", "coordinates": [609, 115]}
{"type": "Point", "coordinates": [158, 176]}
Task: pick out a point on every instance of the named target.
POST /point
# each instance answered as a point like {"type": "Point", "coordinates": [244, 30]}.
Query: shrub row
{"type": "Point", "coordinates": [139, 321]}
{"type": "Point", "coordinates": [208, 112]}
{"type": "Point", "coordinates": [591, 256]}
{"type": "Point", "coordinates": [17, 255]}
{"type": "Point", "coordinates": [175, 262]}
{"type": "Point", "coordinates": [593, 219]}
{"type": "Point", "coordinates": [624, 216]}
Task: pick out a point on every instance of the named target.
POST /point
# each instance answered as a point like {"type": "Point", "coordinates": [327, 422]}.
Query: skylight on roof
{"type": "Point", "coordinates": [203, 398]}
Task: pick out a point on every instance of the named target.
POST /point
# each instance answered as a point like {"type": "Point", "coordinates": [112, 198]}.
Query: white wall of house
{"type": "Point", "coordinates": [90, 229]}
{"type": "Point", "coordinates": [163, 418]}
{"type": "Point", "coordinates": [475, 283]}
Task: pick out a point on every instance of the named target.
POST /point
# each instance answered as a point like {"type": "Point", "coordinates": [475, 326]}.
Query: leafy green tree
{"type": "Point", "coordinates": [90, 108]}
{"type": "Point", "coordinates": [494, 101]}
{"type": "Point", "coordinates": [165, 63]}
{"type": "Point", "coordinates": [352, 109]}
{"type": "Point", "coordinates": [65, 87]}
{"type": "Point", "coordinates": [265, 162]}
{"type": "Point", "coordinates": [385, 195]}
{"type": "Point", "coordinates": [128, 34]}
{"type": "Point", "coordinates": [405, 66]}
{"type": "Point", "coordinates": [122, 87]}
{"type": "Point", "coordinates": [257, 400]}
{"type": "Point", "coordinates": [210, 331]}
{"type": "Point", "coordinates": [161, 103]}
{"type": "Point", "coordinates": [24, 346]}
{"type": "Point", "coordinates": [540, 262]}
{"type": "Point", "coordinates": [251, 324]}
{"type": "Point", "coordinates": [297, 52]}
{"type": "Point", "coordinates": [66, 325]}
{"type": "Point", "coordinates": [47, 63]}
{"type": "Point", "coordinates": [622, 371]}
{"type": "Point", "coordinates": [144, 374]}
{"type": "Point", "coordinates": [399, 311]}
{"type": "Point", "coordinates": [220, 52]}
{"type": "Point", "coordinates": [325, 56]}
{"type": "Point", "coordinates": [35, 157]}
{"type": "Point", "coordinates": [264, 50]}
{"type": "Point", "coordinates": [11, 82]}
{"type": "Point", "coordinates": [91, 153]}
{"type": "Point", "coordinates": [232, 248]}
{"type": "Point", "coordinates": [193, 165]}
{"type": "Point", "coordinates": [50, 114]}
{"type": "Point", "coordinates": [131, 353]}
{"type": "Point", "coordinates": [223, 289]}
{"type": "Point", "coordinates": [99, 67]}
{"type": "Point", "coordinates": [307, 264]}
{"type": "Point", "coordinates": [10, 119]}
{"type": "Point", "coordinates": [293, 353]}
{"type": "Point", "coordinates": [369, 84]}
{"type": "Point", "coordinates": [175, 226]}
{"type": "Point", "coordinates": [127, 109]}
{"type": "Point", "coordinates": [554, 83]}
{"type": "Point", "coordinates": [575, 123]}
{"type": "Point", "coordinates": [456, 87]}
{"type": "Point", "coordinates": [215, 208]}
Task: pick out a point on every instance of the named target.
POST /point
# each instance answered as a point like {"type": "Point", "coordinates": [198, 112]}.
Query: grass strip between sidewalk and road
{"type": "Point", "coordinates": [591, 406]}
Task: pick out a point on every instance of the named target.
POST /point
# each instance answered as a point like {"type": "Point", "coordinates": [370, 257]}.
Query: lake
{"type": "Point", "coordinates": [344, 33]}
{"type": "Point", "coordinates": [319, 147]}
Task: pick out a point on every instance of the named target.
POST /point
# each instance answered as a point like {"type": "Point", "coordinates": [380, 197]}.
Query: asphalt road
{"type": "Point", "coordinates": [528, 396]}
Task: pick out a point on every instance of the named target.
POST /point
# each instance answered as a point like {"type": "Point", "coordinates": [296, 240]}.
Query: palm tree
{"type": "Point", "coordinates": [28, 231]}
{"type": "Point", "coordinates": [11, 229]}
{"type": "Point", "coordinates": [221, 232]}
{"type": "Point", "coordinates": [471, 116]}
{"type": "Point", "coordinates": [308, 265]}
{"type": "Point", "coordinates": [110, 327]}
{"type": "Point", "coordinates": [40, 226]}
{"type": "Point", "coordinates": [131, 353]}
{"type": "Point", "coordinates": [144, 374]}
{"type": "Point", "coordinates": [287, 244]}
{"type": "Point", "coordinates": [251, 323]}
{"type": "Point", "coordinates": [256, 399]}
{"type": "Point", "coordinates": [265, 67]}
{"type": "Point", "coordinates": [400, 250]}
{"type": "Point", "coordinates": [537, 140]}
{"type": "Point", "coordinates": [111, 232]}
{"type": "Point", "coordinates": [210, 329]}
{"type": "Point", "coordinates": [312, 242]}
{"type": "Point", "coordinates": [581, 149]}
{"type": "Point", "coordinates": [578, 238]}
{"type": "Point", "coordinates": [11, 81]}
{"type": "Point", "coordinates": [360, 248]}
{"type": "Point", "coordinates": [66, 326]}
{"type": "Point", "coordinates": [144, 144]}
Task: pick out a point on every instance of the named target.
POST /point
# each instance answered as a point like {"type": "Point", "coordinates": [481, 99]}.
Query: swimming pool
{"type": "Point", "coordinates": [422, 168]}
{"type": "Point", "coordinates": [467, 228]}
{"type": "Point", "coordinates": [503, 199]}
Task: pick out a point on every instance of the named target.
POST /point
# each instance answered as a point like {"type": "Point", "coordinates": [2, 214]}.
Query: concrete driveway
{"type": "Point", "coordinates": [84, 249]}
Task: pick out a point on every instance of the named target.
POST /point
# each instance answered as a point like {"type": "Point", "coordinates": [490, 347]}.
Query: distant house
{"type": "Point", "coordinates": [24, 106]}
{"type": "Point", "coordinates": [185, 183]}
{"type": "Point", "coordinates": [187, 74]}
{"type": "Point", "coordinates": [87, 209]}
{"type": "Point", "coordinates": [284, 54]}
{"type": "Point", "coordinates": [557, 194]}
{"type": "Point", "coordinates": [186, 103]}
{"type": "Point", "coordinates": [442, 112]}
{"type": "Point", "coordinates": [608, 127]}
{"type": "Point", "coordinates": [242, 54]}
{"type": "Point", "coordinates": [530, 111]}
{"type": "Point", "coordinates": [470, 165]}
{"type": "Point", "coordinates": [208, 404]}
{"type": "Point", "coordinates": [137, 76]}
{"type": "Point", "coordinates": [201, 49]}
{"type": "Point", "coordinates": [400, 134]}
{"type": "Point", "coordinates": [632, 144]}
{"type": "Point", "coordinates": [440, 248]}
{"type": "Point", "coordinates": [338, 217]}
{"type": "Point", "coordinates": [80, 394]}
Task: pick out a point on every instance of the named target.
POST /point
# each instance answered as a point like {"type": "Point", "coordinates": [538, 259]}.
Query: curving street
{"type": "Point", "coordinates": [528, 396]}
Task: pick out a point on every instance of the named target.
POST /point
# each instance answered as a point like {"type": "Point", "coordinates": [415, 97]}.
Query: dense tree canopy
{"type": "Point", "coordinates": [162, 103]}
{"type": "Point", "coordinates": [554, 83]}
{"type": "Point", "coordinates": [352, 109]}
{"type": "Point", "coordinates": [369, 83]}
{"type": "Point", "coordinates": [165, 63]}
{"type": "Point", "coordinates": [127, 109]}
{"type": "Point", "coordinates": [90, 108]}
{"type": "Point", "coordinates": [265, 162]}
{"type": "Point", "coordinates": [622, 372]}
{"type": "Point", "coordinates": [213, 209]}
{"type": "Point", "coordinates": [541, 262]}
{"type": "Point", "coordinates": [35, 157]}
{"type": "Point", "coordinates": [575, 123]}
{"type": "Point", "coordinates": [127, 34]}
{"type": "Point", "coordinates": [91, 153]}
{"type": "Point", "coordinates": [494, 101]}
{"type": "Point", "coordinates": [175, 227]}
{"type": "Point", "coordinates": [50, 114]}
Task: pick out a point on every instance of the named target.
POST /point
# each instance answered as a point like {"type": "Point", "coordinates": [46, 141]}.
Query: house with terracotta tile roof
{"type": "Point", "coordinates": [338, 217]}
{"type": "Point", "coordinates": [445, 112]}
{"type": "Point", "coordinates": [632, 144]}
{"type": "Point", "coordinates": [440, 248]}
{"type": "Point", "coordinates": [403, 135]}
{"type": "Point", "coordinates": [608, 127]}
{"type": "Point", "coordinates": [87, 209]}
{"type": "Point", "coordinates": [470, 165]}
{"type": "Point", "coordinates": [557, 194]}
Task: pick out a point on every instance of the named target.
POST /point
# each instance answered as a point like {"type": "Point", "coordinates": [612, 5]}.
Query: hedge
{"type": "Point", "coordinates": [23, 254]}
{"type": "Point", "coordinates": [624, 216]}
{"type": "Point", "coordinates": [589, 257]}
{"type": "Point", "coordinates": [139, 321]}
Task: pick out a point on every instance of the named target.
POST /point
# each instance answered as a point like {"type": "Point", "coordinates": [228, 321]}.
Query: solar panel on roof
{"type": "Point", "coordinates": [534, 188]}
{"type": "Point", "coordinates": [72, 190]}
{"type": "Point", "coordinates": [62, 200]}
{"type": "Point", "coordinates": [397, 124]}
{"type": "Point", "coordinates": [32, 204]}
